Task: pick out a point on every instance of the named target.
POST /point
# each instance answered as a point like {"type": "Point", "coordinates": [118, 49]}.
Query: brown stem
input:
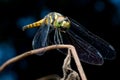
{"type": "Point", "coordinates": [36, 51]}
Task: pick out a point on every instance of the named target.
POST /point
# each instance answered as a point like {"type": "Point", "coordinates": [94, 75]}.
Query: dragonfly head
{"type": "Point", "coordinates": [63, 23]}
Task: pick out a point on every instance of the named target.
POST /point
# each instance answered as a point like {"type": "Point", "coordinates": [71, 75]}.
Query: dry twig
{"type": "Point", "coordinates": [68, 72]}
{"type": "Point", "coordinates": [36, 51]}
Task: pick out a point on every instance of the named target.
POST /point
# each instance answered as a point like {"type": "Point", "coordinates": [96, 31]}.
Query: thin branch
{"type": "Point", "coordinates": [36, 51]}
{"type": "Point", "coordinates": [78, 63]}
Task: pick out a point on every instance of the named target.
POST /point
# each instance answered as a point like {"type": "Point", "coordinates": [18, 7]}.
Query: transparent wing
{"type": "Point", "coordinates": [40, 39]}
{"type": "Point", "coordinates": [105, 49]}
{"type": "Point", "coordinates": [86, 52]}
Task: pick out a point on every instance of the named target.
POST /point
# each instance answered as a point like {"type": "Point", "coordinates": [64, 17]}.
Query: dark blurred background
{"type": "Point", "coordinates": [102, 17]}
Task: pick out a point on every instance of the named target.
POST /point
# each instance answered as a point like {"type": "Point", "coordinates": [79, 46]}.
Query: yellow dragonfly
{"type": "Point", "coordinates": [55, 28]}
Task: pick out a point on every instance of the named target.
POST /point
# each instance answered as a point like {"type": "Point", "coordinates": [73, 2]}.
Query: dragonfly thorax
{"type": "Point", "coordinates": [56, 20]}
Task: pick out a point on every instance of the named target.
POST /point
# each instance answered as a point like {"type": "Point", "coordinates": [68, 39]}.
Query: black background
{"type": "Point", "coordinates": [100, 23]}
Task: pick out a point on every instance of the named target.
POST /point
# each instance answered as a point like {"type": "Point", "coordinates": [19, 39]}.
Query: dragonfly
{"type": "Point", "coordinates": [55, 29]}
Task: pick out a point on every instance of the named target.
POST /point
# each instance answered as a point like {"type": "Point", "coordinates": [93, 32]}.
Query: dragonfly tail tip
{"type": "Point", "coordinates": [24, 28]}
